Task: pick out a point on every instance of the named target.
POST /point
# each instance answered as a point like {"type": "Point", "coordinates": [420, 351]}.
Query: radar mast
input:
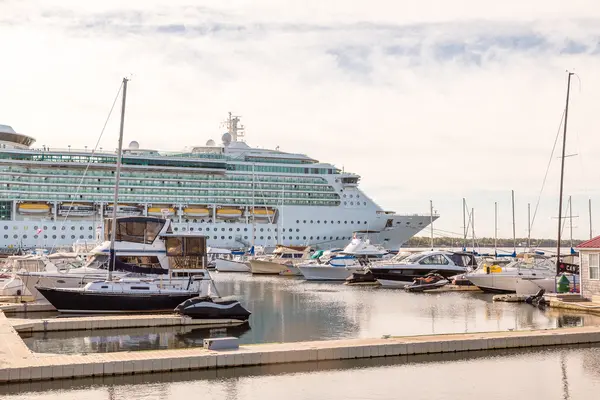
{"type": "Point", "coordinates": [234, 128]}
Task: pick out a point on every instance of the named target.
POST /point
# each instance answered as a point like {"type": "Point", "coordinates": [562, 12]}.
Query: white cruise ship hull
{"type": "Point", "coordinates": [222, 265]}
{"type": "Point", "coordinates": [327, 273]}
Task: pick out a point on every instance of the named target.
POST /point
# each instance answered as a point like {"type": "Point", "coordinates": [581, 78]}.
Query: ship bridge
{"type": "Point", "coordinates": [10, 139]}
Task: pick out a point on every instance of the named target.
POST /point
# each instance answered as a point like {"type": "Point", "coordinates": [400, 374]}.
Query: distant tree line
{"type": "Point", "coordinates": [423, 241]}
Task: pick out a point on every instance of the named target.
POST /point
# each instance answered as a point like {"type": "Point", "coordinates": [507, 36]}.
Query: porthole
{"type": "Point", "coordinates": [72, 228]}
{"type": "Point", "coordinates": [24, 236]}
{"type": "Point", "coordinates": [15, 228]}
{"type": "Point", "coordinates": [245, 229]}
{"type": "Point", "coordinates": [184, 228]}
{"type": "Point", "coordinates": [303, 237]}
{"type": "Point", "coordinates": [214, 237]}
{"type": "Point", "coordinates": [325, 221]}
{"type": "Point", "coordinates": [90, 228]}
{"type": "Point", "coordinates": [304, 221]}
{"type": "Point", "coordinates": [35, 227]}
{"type": "Point", "coordinates": [5, 227]}
{"type": "Point", "coordinates": [62, 236]}
{"type": "Point", "coordinates": [311, 238]}
{"type": "Point", "coordinates": [351, 222]}
{"type": "Point", "coordinates": [245, 237]}
{"type": "Point", "coordinates": [15, 236]}
{"type": "Point", "coordinates": [229, 237]}
{"type": "Point", "coordinates": [5, 236]}
{"type": "Point", "coordinates": [200, 229]}
{"type": "Point", "coordinates": [318, 237]}
{"type": "Point", "coordinates": [262, 237]}
{"type": "Point", "coordinates": [297, 221]}
{"type": "Point", "coordinates": [222, 229]}
{"type": "Point", "coordinates": [54, 228]}
{"type": "Point", "coordinates": [80, 236]}
{"type": "Point", "coordinates": [238, 229]}
{"type": "Point", "coordinates": [311, 221]}
{"type": "Point", "coordinates": [72, 236]}
{"type": "Point", "coordinates": [176, 229]}
{"type": "Point", "coordinates": [269, 237]}
{"type": "Point", "coordinates": [345, 222]}
{"type": "Point", "coordinates": [262, 229]}
{"type": "Point", "coordinates": [216, 230]}
{"type": "Point", "coordinates": [351, 203]}
{"type": "Point", "coordinates": [45, 236]}
{"type": "Point", "coordinates": [222, 237]}
{"type": "Point", "coordinates": [45, 227]}
{"type": "Point", "coordinates": [62, 228]}
{"type": "Point", "coordinates": [297, 237]}
{"type": "Point", "coordinates": [81, 228]}
{"type": "Point", "coordinates": [297, 230]}
{"type": "Point", "coordinates": [318, 222]}
{"type": "Point", "coordinates": [90, 237]}
{"type": "Point", "coordinates": [191, 229]}
{"type": "Point", "coordinates": [230, 229]}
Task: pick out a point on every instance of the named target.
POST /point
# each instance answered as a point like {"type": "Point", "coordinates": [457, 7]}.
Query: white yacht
{"type": "Point", "coordinates": [356, 256]}
{"type": "Point", "coordinates": [234, 194]}
{"type": "Point", "coordinates": [403, 273]}
{"type": "Point", "coordinates": [284, 258]}
{"type": "Point", "coordinates": [502, 278]}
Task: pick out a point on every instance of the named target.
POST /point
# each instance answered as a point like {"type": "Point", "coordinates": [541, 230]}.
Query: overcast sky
{"type": "Point", "coordinates": [435, 99]}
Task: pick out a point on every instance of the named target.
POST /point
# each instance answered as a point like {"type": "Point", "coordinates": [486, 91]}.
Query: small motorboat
{"type": "Point", "coordinates": [207, 307]}
{"type": "Point", "coordinates": [428, 282]}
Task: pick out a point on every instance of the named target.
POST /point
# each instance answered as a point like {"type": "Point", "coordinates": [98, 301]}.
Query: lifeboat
{"type": "Point", "coordinates": [123, 210]}
{"type": "Point", "coordinates": [158, 211]}
{"type": "Point", "coordinates": [261, 213]}
{"type": "Point", "coordinates": [76, 210]}
{"type": "Point", "coordinates": [33, 208]}
{"type": "Point", "coordinates": [229, 213]}
{"type": "Point", "coordinates": [196, 211]}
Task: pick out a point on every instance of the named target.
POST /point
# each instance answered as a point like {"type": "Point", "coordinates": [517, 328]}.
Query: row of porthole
{"type": "Point", "coordinates": [288, 238]}
{"type": "Point", "coordinates": [357, 196]}
{"type": "Point", "coordinates": [46, 228]}
{"type": "Point", "coordinates": [46, 236]}
{"type": "Point", "coordinates": [332, 221]}
{"type": "Point", "coordinates": [352, 203]}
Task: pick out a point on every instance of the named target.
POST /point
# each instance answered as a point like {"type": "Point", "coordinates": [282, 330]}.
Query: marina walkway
{"type": "Point", "coordinates": [18, 363]}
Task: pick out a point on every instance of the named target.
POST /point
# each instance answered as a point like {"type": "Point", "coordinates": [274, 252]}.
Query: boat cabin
{"type": "Point", "coordinates": [590, 268]}
{"type": "Point", "coordinates": [186, 251]}
{"type": "Point", "coordinates": [291, 252]}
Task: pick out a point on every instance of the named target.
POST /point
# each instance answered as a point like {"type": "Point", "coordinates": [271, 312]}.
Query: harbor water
{"type": "Point", "coordinates": [291, 310]}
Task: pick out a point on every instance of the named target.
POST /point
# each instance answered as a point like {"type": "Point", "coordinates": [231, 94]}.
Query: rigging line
{"type": "Point", "coordinates": [88, 164]}
{"type": "Point", "coordinates": [537, 204]}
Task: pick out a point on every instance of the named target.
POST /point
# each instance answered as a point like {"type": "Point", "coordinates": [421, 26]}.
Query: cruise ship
{"type": "Point", "coordinates": [236, 195]}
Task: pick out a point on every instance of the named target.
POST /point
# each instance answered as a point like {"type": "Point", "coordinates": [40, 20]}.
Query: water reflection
{"type": "Point", "coordinates": [287, 310]}
{"type": "Point", "coordinates": [557, 373]}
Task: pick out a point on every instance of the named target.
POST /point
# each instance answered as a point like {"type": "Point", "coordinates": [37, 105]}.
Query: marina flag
{"type": "Point", "coordinates": [40, 230]}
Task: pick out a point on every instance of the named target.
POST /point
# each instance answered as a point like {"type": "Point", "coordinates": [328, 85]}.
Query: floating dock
{"type": "Point", "coordinates": [114, 322]}
{"type": "Point", "coordinates": [24, 307]}
{"type": "Point", "coordinates": [19, 364]}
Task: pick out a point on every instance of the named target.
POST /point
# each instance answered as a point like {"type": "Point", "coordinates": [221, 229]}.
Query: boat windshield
{"type": "Point", "coordinates": [412, 259]}
{"type": "Point", "coordinates": [99, 261]}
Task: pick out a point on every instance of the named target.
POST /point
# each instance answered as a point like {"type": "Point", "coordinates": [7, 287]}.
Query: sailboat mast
{"type": "Point", "coordinates": [562, 171]}
{"type": "Point", "coordinates": [590, 212]}
{"type": "Point", "coordinates": [253, 212]}
{"type": "Point", "coordinates": [571, 222]}
{"type": "Point", "coordinates": [113, 231]}
{"type": "Point", "coordinates": [512, 195]}
{"type": "Point", "coordinates": [431, 221]}
{"type": "Point", "coordinates": [528, 226]}
{"type": "Point", "coordinates": [464, 225]}
{"type": "Point", "coordinates": [473, 227]}
{"type": "Point", "coordinates": [495, 228]}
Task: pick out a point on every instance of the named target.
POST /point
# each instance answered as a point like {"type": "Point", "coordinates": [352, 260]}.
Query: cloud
{"type": "Point", "coordinates": [437, 100]}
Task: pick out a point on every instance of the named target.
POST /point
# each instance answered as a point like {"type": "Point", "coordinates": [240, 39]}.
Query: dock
{"type": "Point", "coordinates": [114, 322]}
{"type": "Point", "coordinates": [25, 307]}
{"type": "Point", "coordinates": [19, 364]}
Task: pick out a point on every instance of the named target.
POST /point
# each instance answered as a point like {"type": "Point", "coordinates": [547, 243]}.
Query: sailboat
{"type": "Point", "coordinates": [532, 285]}
{"type": "Point", "coordinates": [186, 253]}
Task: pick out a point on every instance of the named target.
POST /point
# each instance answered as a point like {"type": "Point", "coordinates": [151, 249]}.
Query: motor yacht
{"type": "Point", "coordinates": [357, 255]}
{"type": "Point", "coordinates": [502, 278]}
{"type": "Point", "coordinates": [400, 274]}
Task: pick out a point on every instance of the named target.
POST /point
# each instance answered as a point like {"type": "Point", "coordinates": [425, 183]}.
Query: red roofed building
{"type": "Point", "coordinates": [589, 269]}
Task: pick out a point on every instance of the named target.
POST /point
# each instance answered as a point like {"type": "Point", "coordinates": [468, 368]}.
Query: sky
{"type": "Point", "coordinates": [432, 100]}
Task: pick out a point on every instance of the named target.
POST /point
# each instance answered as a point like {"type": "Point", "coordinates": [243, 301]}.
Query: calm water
{"type": "Point", "coordinates": [559, 373]}
{"type": "Point", "coordinates": [288, 309]}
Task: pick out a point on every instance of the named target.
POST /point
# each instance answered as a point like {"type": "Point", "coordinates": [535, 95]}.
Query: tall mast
{"type": "Point", "coordinates": [431, 221]}
{"type": "Point", "coordinates": [113, 231]}
{"type": "Point", "coordinates": [562, 171]}
{"type": "Point", "coordinates": [528, 226]}
{"type": "Point", "coordinates": [590, 212]}
{"type": "Point", "coordinates": [513, 223]}
{"type": "Point", "coordinates": [495, 228]}
{"type": "Point", "coordinates": [253, 214]}
{"type": "Point", "coordinates": [571, 222]}
{"type": "Point", "coordinates": [464, 225]}
{"type": "Point", "coordinates": [473, 227]}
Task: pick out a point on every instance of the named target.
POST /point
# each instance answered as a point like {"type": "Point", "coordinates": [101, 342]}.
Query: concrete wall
{"type": "Point", "coordinates": [590, 288]}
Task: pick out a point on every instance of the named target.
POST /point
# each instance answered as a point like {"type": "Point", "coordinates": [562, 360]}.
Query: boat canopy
{"type": "Point", "coordinates": [135, 229]}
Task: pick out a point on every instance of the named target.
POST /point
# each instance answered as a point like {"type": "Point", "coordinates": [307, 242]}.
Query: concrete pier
{"type": "Point", "coordinates": [18, 364]}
